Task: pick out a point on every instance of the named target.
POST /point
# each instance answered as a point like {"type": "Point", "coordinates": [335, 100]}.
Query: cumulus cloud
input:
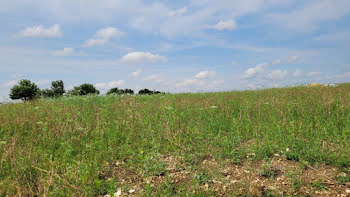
{"type": "Point", "coordinates": [293, 59]}
{"type": "Point", "coordinates": [202, 79]}
{"type": "Point", "coordinates": [142, 57]}
{"type": "Point", "coordinates": [205, 74]}
{"type": "Point", "coordinates": [298, 73]}
{"type": "Point", "coordinates": [9, 84]}
{"type": "Point", "coordinates": [178, 12]}
{"type": "Point", "coordinates": [154, 78]}
{"type": "Point", "coordinates": [345, 75]}
{"type": "Point", "coordinates": [311, 74]}
{"type": "Point", "coordinates": [309, 16]}
{"type": "Point", "coordinates": [114, 84]}
{"type": "Point", "coordinates": [100, 85]}
{"type": "Point", "coordinates": [136, 73]}
{"type": "Point", "coordinates": [225, 25]}
{"type": "Point", "coordinates": [277, 75]}
{"type": "Point", "coordinates": [64, 52]}
{"type": "Point", "coordinates": [42, 32]}
{"type": "Point", "coordinates": [111, 84]}
{"type": "Point", "coordinates": [103, 36]}
{"type": "Point", "coordinates": [252, 72]}
{"type": "Point", "coordinates": [276, 62]}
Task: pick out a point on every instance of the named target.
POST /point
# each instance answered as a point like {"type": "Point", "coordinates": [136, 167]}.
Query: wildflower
{"type": "Point", "coordinates": [118, 193]}
{"type": "Point", "coordinates": [131, 191]}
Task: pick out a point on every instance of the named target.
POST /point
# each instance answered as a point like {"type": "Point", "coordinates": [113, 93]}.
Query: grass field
{"type": "Point", "coordinates": [274, 142]}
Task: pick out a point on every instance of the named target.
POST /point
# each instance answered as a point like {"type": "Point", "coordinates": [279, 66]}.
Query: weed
{"type": "Point", "coordinates": [319, 185]}
{"type": "Point", "coordinates": [60, 147]}
{"type": "Point", "coordinates": [267, 171]}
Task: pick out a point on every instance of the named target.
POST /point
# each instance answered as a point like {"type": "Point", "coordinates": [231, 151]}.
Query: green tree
{"type": "Point", "coordinates": [149, 92]}
{"type": "Point", "coordinates": [83, 89]}
{"type": "Point", "coordinates": [47, 93]}
{"type": "Point", "coordinates": [25, 90]}
{"type": "Point", "coordinates": [58, 88]}
{"type": "Point", "coordinates": [120, 91]}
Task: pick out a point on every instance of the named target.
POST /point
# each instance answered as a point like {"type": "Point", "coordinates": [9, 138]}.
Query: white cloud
{"type": "Point", "coordinates": [100, 85]}
{"type": "Point", "coordinates": [154, 78]}
{"type": "Point", "coordinates": [252, 72]}
{"type": "Point", "coordinates": [186, 82]}
{"type": "Point", "coordinates": [203, 79]}
{"type": "Point", "coordinates": [114, 84]}
{"type": "Point", "coordinates": [64, 52]}
{"type": "Point", "coordinates": [10, 84]}
{"type": "Point", "coordinates": [205, 74]}
{"type": "Point", "coordinates": [277, 75]}
{"type": "Point", "coordinates": [298, 73]}
{"type": "Point", "coordinates": [311, 74]}
{"type": "Point", "coordinates": [109, 85]}
{"type": "Point", "coordinates": [142, 57]}
{"type": "Point", "coordinates": [103, 36]}
{"type": "Point", "coordinates": [178, 12]}
{"type": "Point", "coordinates": [345, 75]}
{"type": "Point", "coordinates": [308, 17]}
{"type": "Point", "coordinates": [136, 73]}
{"type": "Point", "coordinates": [276, 62]}
{"type": "Point", "coordinates": [40, 31]}
{"type": "Point", "coordinates": [225, 25]}
{"type": "Point", "coordinates": [293, 59]}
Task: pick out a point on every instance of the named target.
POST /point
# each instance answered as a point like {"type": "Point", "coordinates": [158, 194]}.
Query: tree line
{"type": "Point", "coordinates": [26, 90]}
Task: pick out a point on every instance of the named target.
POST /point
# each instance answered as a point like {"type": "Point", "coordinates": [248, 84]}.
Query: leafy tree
{"type": "Point", "coordinates": [58, 88]}
{"type": "Point", "coordinates": [84, 89]}
{"type": "Point", "coordinates": [47, 93]}
{"type": "Point", "coordinates": [149, 92]}
{"type": "Point", "coordinates": [120, 91]}
{"type": "Point", "coordinates": [25, 90]}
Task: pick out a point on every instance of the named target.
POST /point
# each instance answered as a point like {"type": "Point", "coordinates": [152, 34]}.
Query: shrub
{"type": "Point", "coordinates": [84, 89]}
{"type": "Point", "coordinates": [149, 92]}
{"type": "Point", "coordinates": [120, 91]}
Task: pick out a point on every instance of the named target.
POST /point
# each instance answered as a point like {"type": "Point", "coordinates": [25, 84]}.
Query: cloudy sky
{"type": "Point", "coordinates": [174, 46]}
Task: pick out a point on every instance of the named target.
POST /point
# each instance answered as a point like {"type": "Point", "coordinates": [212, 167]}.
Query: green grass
{"type": "Point", "coordinates": [68, 146]}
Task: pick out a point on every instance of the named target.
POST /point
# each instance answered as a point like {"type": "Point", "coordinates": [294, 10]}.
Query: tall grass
{"type": "Point", "coordinates": [62, 147]}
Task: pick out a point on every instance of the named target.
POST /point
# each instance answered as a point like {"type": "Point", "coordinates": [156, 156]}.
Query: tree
{"type": "Point", "coordinates": [83, 89]}
{"type": "Point", "coordinates": [120, 91]}
{"type": "Point", "coordinates": [58, 88]}
{"type": "Point", "coordinates": [149, 92]}
{"type": "Point", "coordinates": [47, 93]}
{"type": "Point", "coordinates": [145, 91]}
{"type": "Point", "coordinates": [25, 90]}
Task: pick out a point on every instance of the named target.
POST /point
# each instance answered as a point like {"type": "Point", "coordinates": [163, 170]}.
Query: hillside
{"type": "Point", "coordinates": [288, 141]}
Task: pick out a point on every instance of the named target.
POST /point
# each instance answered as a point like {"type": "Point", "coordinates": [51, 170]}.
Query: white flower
{"type": "Point", "coordinates": [118, 193]}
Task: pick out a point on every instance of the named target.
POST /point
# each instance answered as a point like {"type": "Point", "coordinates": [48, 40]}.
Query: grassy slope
{"type": "Point", "coordinates": [69, 146]}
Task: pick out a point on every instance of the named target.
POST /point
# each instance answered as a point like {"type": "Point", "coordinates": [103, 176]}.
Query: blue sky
{"type": "Point", "coordinates": [174, 46]}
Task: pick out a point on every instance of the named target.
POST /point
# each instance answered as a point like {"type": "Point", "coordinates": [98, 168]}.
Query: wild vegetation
{"type": "Point", "coordinates": [27, 90]}
{"type": "Point", "coordinates": [273, 142]}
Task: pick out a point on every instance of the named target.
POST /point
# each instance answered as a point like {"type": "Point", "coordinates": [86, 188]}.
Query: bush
{"type": "Point", "coordinates": [84, 89]}
{"type": "Point", "coordinates": [149, 92]}
{"type": "Point", "coordinates": [25, 90]}
{"type": "Point", "coordinates": [120, 91]}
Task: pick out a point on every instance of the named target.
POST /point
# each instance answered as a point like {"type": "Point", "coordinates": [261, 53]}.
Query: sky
{"type": "Point", "coordinates": [174, 46]}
